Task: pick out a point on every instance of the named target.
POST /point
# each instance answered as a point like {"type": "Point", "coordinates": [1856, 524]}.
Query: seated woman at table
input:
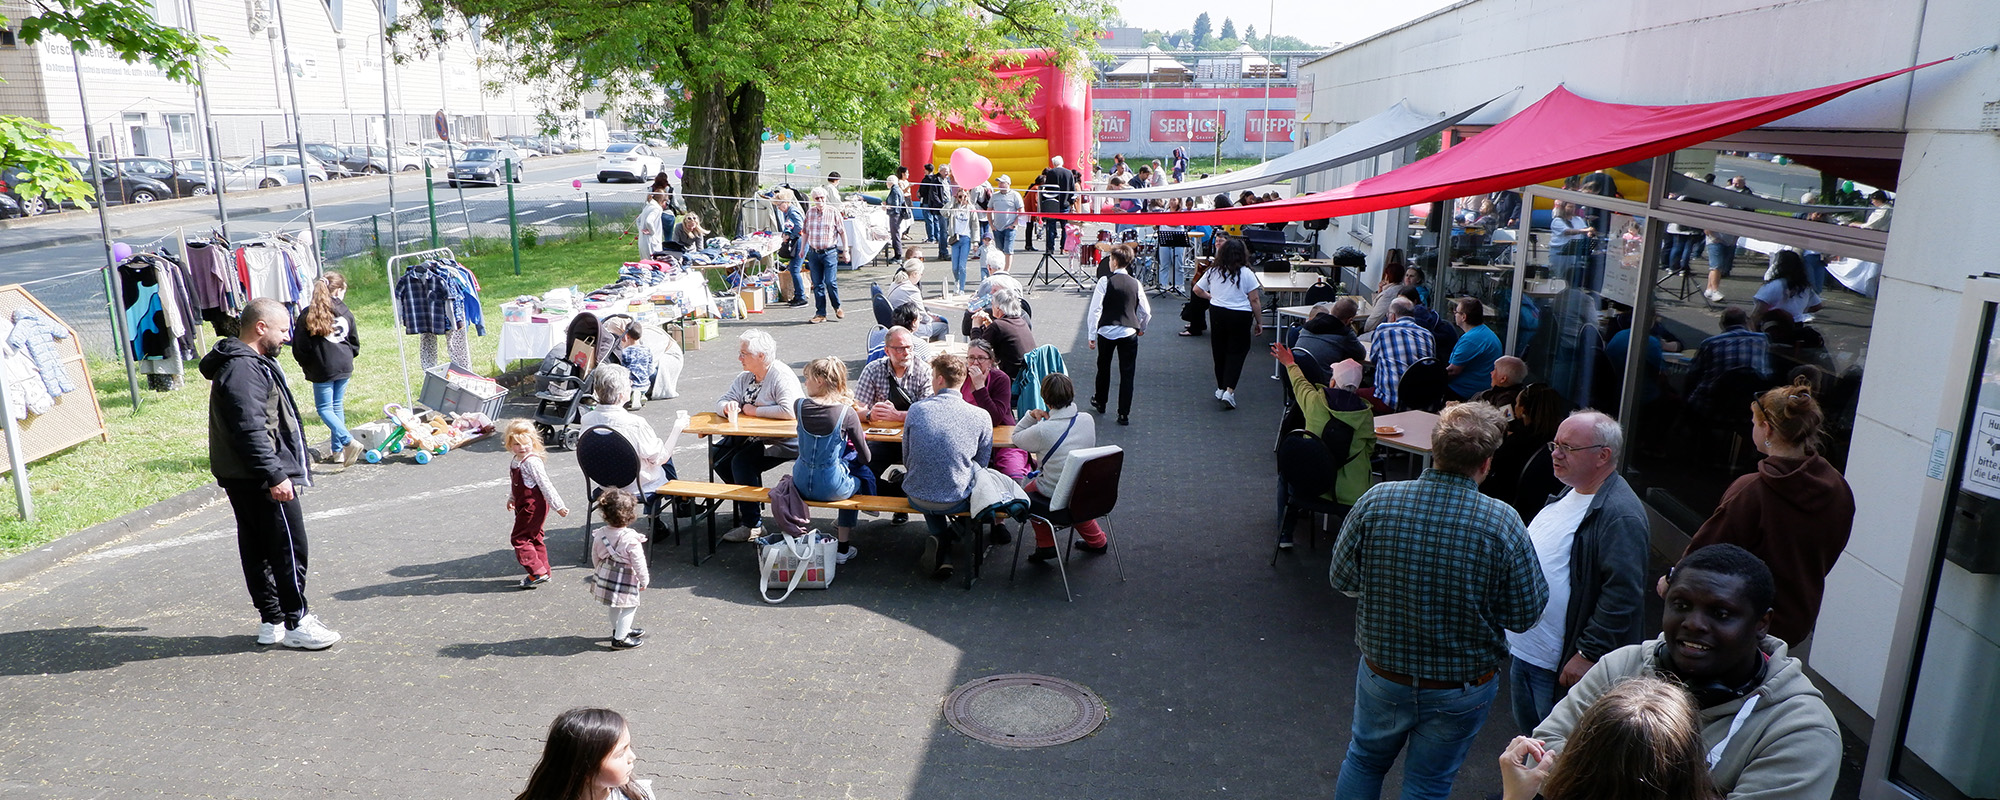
{"type": "Point", "coordinates": [1388, 290]}
{"type": "Point", "coordinates": [906, 288]}
{"type": "Point", "coordinates": [989, 388]}
{"type": "Point", "coordinates": [689, 232]}
{"type": "Point", "coordinates": [1008, 328]}
{"type": "Point", "coordinates": [833, 450]}
{"type": "Point", "coordinates": [765, 388]}
{"type": "Point", "coordinates": [1414, 288]}
{"type": "Point", "coordinates": [611, 386]}
{"type": "Point", "coordinates": [1049, 436]}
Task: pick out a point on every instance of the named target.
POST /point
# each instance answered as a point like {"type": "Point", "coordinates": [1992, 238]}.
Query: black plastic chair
{"type": "Point", "coordinates": [1321, 292]}
{"type": "Point", "coordinates": [1306, 474]}
{"type": "Point", "coordinates": [1422, 387]}
{"type": "Point", "coordinates": [609, 461]}
{"type": "Point", "coordinates": [1088, 491]}
{"type": "Point", "coordinates": [883, 313]}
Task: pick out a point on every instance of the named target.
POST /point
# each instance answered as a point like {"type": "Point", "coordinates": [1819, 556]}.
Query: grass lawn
{"type": "Point", "coordinates": [162, 450]}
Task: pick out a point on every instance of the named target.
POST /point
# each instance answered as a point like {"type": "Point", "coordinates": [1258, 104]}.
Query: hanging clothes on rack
{"type": "Point", "coordinates": [440, 297]}
{"type": "Point", "coordinates": [152, 286]}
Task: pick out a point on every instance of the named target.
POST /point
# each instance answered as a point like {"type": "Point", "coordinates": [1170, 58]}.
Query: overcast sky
{"type": "Point", "coordinates": [1321, 22]}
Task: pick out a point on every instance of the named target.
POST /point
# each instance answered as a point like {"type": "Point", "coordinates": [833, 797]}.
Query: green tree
{"type": "Point", "coordinates": [1228, 28]}
{"type": "Point", "coordinates": [735, 69]}
{"type": "Point", "coordinates": [1201, 30]}
{"type": "Point", "coordinates": [124, 27]}
{"type": "Point", "coordinates": [1250, 36]}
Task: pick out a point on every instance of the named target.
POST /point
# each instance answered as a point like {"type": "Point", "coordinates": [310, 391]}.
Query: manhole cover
{"type": "Point", "coordinates": [1022, 710]}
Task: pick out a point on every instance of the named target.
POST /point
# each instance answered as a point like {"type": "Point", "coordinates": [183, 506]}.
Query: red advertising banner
{"type": "Point", "coordinates": [1114, 126]}
{"type": "Point", "coordinates": [1186, 126]}
{"type": "Point", "coordinates": [1274, 125]}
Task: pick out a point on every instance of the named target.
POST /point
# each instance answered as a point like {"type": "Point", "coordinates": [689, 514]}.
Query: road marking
{"type": "Point", "coordinates": [331, 513]}
{"type": "Point", "coordinates": [455, 229]}
{"type": "Point", "coordinates": [554, 204]}
{"type": "Point", "coordinates": [496, 220]}
{"type": "Point", "coordinates": [563, 216]}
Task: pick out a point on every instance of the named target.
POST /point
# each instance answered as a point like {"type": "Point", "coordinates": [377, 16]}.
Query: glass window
{"type": "Point", "coordinates": [180, 132]}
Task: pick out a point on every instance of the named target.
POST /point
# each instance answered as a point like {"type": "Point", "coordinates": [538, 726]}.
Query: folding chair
{"type": "Point", "coordinates": [609, 461]}
{"type": "Point", "coordinates": [1088, 491]}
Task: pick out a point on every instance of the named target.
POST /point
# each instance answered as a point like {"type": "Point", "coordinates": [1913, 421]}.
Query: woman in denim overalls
{"type": "Point", "coordinates": [833, 452]}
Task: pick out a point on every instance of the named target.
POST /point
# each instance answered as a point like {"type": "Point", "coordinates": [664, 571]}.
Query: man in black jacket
{"type": "Point", "coordinates": [1057, 192]}
{"type": "Point", "coordinates": [257, 452]}
{"type": "Point", "coordinates": [930, 194]}
{"type": "Point", "coordinates": [1592, 541]}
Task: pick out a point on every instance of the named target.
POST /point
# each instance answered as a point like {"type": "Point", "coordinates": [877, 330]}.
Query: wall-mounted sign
{"type": "Point", "coordinates": [1274, 125]}
{"type": "Point", "coordinates": [1186, 126]}
{"type": "Point", "coordinates": [1114, 126]}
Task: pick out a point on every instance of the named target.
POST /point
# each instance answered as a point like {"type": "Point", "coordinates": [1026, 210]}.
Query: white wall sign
{"type": "Point", "coordinates": [1982, 457]}
{"type": "Point", "coordinates": [842, 156]}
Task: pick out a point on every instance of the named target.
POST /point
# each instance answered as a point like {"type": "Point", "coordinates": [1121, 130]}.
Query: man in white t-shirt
{"type": "Point", "coordinates": [1592, 541]}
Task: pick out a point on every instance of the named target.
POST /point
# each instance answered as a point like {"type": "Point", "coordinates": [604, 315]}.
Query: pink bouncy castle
{"type": "Point", "coordinates": [1060, 108]}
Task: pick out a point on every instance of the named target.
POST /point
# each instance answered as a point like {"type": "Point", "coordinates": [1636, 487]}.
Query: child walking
{"type": "Point", "coordinates": [530, 500]}
{"type": "Point", "coordinates": [588, 757]}
{"type": "Point", "coordinates": [620, 555]}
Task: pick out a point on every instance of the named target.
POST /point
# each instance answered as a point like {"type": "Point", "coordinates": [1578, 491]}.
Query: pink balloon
{"type": "Point", "coordinates": [969, 169]}
{"type": "Point", "coordinates": [576, 183]}
{"type": "Point", "coordinates": [120, 251]}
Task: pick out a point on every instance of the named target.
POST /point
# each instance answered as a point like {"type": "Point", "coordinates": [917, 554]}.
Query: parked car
{"type": "Point", "coordinates": [9, 207]}
{"type": "Point", "coordinates": [234, 178]}
{"type": "Point", "coordinates": [287, 164]}
{"type": "Point", "coordinates": [120, 187]}
{"type": "Point", "coordinates": [183, 184]}
{"type": "Point", "coordinates": [338, 163]}
{"type": "Point", "coordinates": [624, 137]}
{"type": "Point", "coordinates": [484, 165]}
{"type": "Point", "coordinates": [11, 179]}
{"type": "Point", "coordinates": [627, 161]}
{"type": "Point", "coordinates": [529, 146]}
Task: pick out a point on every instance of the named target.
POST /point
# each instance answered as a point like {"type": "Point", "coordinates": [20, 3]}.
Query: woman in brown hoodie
{"type": "Point", "coordinates": [1795, 512]}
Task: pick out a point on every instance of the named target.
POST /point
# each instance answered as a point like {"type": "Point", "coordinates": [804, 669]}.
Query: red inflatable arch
{"type": "Point", "coordinates": [1061, 111]}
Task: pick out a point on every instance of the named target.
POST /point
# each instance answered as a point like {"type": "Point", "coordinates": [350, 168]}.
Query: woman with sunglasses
{"type": "Point", "coordinates": [1795, 512]}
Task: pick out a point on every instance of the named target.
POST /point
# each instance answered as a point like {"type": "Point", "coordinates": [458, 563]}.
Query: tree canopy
{"type": "Point", "coordinates": [1228, 28]}
{"type": "Point", "coordinates": [128, 30]}
{"type": "Point", "coordinates": [1201, 30]}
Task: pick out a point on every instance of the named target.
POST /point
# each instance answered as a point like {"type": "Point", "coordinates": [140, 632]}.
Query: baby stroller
{"type": "Point", "coordinates": [559, 382]}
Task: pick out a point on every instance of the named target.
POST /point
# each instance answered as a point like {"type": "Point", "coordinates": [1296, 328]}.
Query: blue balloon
{"type": "Point", "coordinates": [767, 136]}
{"type": "Point", "coordinates": [788, 145]}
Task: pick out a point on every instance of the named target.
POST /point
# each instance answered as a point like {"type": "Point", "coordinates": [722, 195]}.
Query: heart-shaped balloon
{"type": "Point", "coordinates": [677, 174]}
{"type": "Point", "coordinates": [576, 183]}
{"type": "Point", "coordinates": [969, 169]}
{"type": "Point", "coordinates": [120, 251]}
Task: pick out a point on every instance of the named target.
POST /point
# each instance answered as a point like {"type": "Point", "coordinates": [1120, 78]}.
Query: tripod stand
{"type": "Point", "coordinates": [1178, 244]}
{"type": "Point", "coordinates": [1052, 263]}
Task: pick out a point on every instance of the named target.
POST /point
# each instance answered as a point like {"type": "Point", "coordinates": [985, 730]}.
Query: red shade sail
{"type": "Point", "coordinates": [1559, 136]}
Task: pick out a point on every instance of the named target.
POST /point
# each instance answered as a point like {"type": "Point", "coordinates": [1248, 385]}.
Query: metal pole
{"type": "Point", "coordinates": [431, 202]}
{"type": "Point", "coordinates": [375, 222]}
{"type": "Point", "coordinates": [23, 493]}
{"type": "Point", "coordinates": [111, 290]}
{"type": "Point", "coordinates": [1268, 64]}
{"type": "Point", "coordinates": [513, 221]}
{"type": "Point", "coordinates": [444, 86]}
{"type": "Point", "coordinates": [589, 222]}
{"type": "Point", "coordinates": [388, 140]}
{"type": "Point", "coordinates": [298, 129]}
{"type": "Point", "coordinates": [215, 173]}
{"type": "Point", "coordinates": [1642, 307]}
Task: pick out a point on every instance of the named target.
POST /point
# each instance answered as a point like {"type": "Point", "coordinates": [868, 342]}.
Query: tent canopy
{"type": "Point", "coordinates": [1148, 63]}
{"type": "Point", "coordinates": [1561, 135]}
{"type": "Point", "coordinates": [1391, 130]}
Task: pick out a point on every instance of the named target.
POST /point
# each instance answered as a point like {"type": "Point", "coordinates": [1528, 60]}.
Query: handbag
{"type": "Point", "coordinates": [1043, 460]}
{"type": "Point", "coordinates": [788, 250]}
{"type": "Point", "coordinates": [798, 562]}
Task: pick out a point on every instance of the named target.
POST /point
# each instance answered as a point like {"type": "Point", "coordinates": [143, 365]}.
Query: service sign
{"type": "Point", "coordinates": [1187, 126]}
{"type": "Point", "coordinates": [1274, 125]}
{"type": "Point", "coordinates": [1114, 126]}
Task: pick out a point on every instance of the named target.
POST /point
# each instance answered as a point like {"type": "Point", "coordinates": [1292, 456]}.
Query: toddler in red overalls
{"type": "Point", "coordinates": [532, 496]}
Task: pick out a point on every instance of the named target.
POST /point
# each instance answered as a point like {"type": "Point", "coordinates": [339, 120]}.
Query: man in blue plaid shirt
{"type": "Point", "coordinates": [1395, 345]}
{"type": "Point", "coordinates": [1439, 570]}
{"type": "Point", "coordinates": [1736, 347]}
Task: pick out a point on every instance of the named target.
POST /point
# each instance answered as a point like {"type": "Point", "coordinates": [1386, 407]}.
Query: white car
{"type": "Point", "coordinates": [627, 161]}
{"type": "Point", "coordinates": [287, 164]}
{"type": "Point", "coordinates": [235, 178]}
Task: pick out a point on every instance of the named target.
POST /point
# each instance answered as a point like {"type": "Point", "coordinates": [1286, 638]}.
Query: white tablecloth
{"type": "Point", "coordinates": [863, 245]}
{"type": "Point", "coordinates": [533, 340]}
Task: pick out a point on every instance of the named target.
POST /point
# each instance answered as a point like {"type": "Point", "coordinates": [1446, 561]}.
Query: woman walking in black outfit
{"type": "Point", "coordinates": [1230, 287]}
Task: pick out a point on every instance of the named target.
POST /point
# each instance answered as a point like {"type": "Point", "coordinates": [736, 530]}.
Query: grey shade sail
{"type": "Point", "coordinates": [1391, 130]}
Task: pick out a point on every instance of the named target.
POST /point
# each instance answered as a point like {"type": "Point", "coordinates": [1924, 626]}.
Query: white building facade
{"type": "Point", "coordinates": [1908, 637]}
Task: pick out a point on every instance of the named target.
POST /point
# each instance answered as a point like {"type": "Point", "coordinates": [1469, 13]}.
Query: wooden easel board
{"type": "Point", "coordinates": [76, 416]}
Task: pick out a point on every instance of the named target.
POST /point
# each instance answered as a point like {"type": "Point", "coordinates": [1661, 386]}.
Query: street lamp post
{"type": "Point", "coordinates": [112, 295]}
{"type": "Point", "coordinates": [298, 130]}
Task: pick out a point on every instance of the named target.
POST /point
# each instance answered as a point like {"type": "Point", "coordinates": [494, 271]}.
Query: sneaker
{"type": "Point", "coordinates": [1097, 408]}
{"type": "Point", "coordinates": [532, 581]}
{"type": "Point", "coordinates": [1229, 399]}
{"type": "Point", "coordinates": [311, 634]}
{"type": "Point", "coordinates": [899, 518]}
{"type": "Point", "coordinates": [1124, 419]}
{"type": "Point", "coordinates": [270, 632]}
{"type": "Point", "coordinates": [350, 454]}
{"type": "Point", "coordinates": [929, 563]}
{"type": "Point", "coordinates": [842, 558]}
{"type": "Point", "coordinates": [1042, 555]}
{"type": "Point", "coordinates": [626, 643]}
{"type": "Point", "coordinates": [743, 534]}
{"type": "Point", "coordinates": [1713, 295]}
{"type": "Point", "coordinates": [1218, 394]}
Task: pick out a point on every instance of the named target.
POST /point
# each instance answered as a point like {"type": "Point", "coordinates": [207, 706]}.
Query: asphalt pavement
{"type": "Point", "coordinates": [131, 670]}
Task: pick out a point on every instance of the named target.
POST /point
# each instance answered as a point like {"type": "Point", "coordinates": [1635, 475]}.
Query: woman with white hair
{"type": "Point", "coordinates": [611, 386]}
{"type": "Point", "coordinates": [765, 388]}
{"type": "Point", "coordinates": [906, 288]}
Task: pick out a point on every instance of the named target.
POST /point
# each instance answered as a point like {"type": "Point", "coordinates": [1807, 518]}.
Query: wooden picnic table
{"type": "Point", "coordinates": [709, 423]}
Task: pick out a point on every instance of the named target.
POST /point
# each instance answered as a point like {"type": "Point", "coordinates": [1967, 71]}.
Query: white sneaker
{"type": "Point", "coordinates": [311, 634]}
{"type": "Point", "coordinates": [743, 534]}
{"type": "Point", "coordinates": [842, 558]}
{"type": "Point", "coordinates": [1229, 398]}
{"type": "Point", "coordinates": [1218, 394]}
{"type": "Point", "coordinates": [270, 632]}
{"type": "Point", "coordinates": [350, 454]}
{"type": "Point", "coordinates": [1713, 295]}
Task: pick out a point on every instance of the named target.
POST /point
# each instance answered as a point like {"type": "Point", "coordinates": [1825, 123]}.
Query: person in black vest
{"type": "Point", "coordinates": [1119, 311]}
{"type": "Point", "coordinates": [1058, 190]}
{"type": "Point", "coordinates": [930, 195]}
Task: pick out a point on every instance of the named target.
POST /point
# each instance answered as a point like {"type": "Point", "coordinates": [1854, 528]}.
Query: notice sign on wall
{"type": "Point", "coordinates": [1114, 126]}
{"type": "Point", "coordinates": [1186, 126]}
{"type": "Point", "coordinates": [1274, 125]}
{"type": "Point", "coordinates": [1982, 457]}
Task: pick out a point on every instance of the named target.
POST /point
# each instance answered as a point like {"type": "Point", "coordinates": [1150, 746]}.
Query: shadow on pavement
{"type": "Point", "coordinates": [538, 646]}
{"type": "Point", "coordinates": [87, 649]}
{"type": "Point", "coordinates": [469, 575]}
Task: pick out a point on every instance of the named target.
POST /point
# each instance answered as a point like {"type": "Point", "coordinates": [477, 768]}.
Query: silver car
{"type": "Point", "coordinates": [288, 165]}
{"type": "Point", "coordinates": [235, 178]}
{"type": "Point", "coordinates": [486, 165]}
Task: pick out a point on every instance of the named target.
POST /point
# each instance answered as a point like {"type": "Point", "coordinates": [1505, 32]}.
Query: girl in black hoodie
{"type": "Point", "coordinates": [325, 344]}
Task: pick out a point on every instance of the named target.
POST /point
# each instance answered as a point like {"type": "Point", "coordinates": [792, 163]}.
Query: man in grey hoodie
{"type": "Point", "coordinates": [1767, 728]}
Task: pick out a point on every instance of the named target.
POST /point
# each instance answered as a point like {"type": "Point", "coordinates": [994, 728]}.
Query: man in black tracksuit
{"type": "Point", "coordinates": [930, 194]}
{"type": "Point", "coordinates": [257, 451]}
{"type": "Point", "coordinates": [1119, 313]}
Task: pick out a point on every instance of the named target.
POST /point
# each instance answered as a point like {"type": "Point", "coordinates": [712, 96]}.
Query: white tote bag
{"type": "Point", "coordinates": [796, 562]}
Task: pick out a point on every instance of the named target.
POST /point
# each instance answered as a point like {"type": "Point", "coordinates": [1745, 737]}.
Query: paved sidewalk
{"type": "Point", "coordinates": [131, 671]}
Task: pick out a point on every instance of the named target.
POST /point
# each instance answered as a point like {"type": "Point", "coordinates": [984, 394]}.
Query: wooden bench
{"type": "Point", "coordinates": [713, 495]}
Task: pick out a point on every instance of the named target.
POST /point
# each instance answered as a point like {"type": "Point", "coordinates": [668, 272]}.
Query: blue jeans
{"type": "Point", "coordinates": [934, 223]}
{"type": "Point", "coordinates": [959, 252]}
{"type": "Point", "coordinates": [1680, 250]}
{"type": "Point", "coordinates": [1004, 239]}
{"type": "Point", "coordinates": [331, 398]}
{"type": "Point", "coordinates": [1436, 726]}
{"type": "Point", "coordinates": [798, 255]}
{"type": "Point", "coordinates": [825, 266]}
{"type": "Point", "coordinates": [939, 523]}
{"type": "Point", "coordinates": [1815, 269]}
{"type": "Point", "coordinates": [1532, 691]}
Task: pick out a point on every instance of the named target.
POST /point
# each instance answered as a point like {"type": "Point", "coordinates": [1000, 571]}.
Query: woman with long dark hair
{"type": "Point", "coordinates": [1230, 287]}
{"type": "Point", "coordinates": [1789, 289]}
{"type": "Point", "coordinates": [325, 344]}
{"type": "Point", "coordinates": [588, 756]}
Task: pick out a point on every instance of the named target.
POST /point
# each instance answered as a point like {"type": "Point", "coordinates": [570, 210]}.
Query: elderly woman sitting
{"type": "Point", "coordinates": [765, 388]}
{"type": "Point", "coordinates": [907, 289]}
{"type": "Point", "coordinates": [611, 386]}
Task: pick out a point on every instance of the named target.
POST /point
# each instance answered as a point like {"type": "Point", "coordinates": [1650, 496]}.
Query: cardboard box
{"type": "Point", "coordinates": [688, 334]}
{"type": "Point", "coordinates": [751, 300]}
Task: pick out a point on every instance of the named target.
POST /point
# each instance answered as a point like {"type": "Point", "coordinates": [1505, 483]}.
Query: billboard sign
{"type": "Point", "coordinates": [1274, 125]}
{"type": "Point", "coordinates": [1114, 126]}
{"type": "Point", "coordinates": [1186, 126]}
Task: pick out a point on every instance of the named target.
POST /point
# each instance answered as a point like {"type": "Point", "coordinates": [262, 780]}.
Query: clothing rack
{"type": "Point", "coordinates": [395, 310]}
